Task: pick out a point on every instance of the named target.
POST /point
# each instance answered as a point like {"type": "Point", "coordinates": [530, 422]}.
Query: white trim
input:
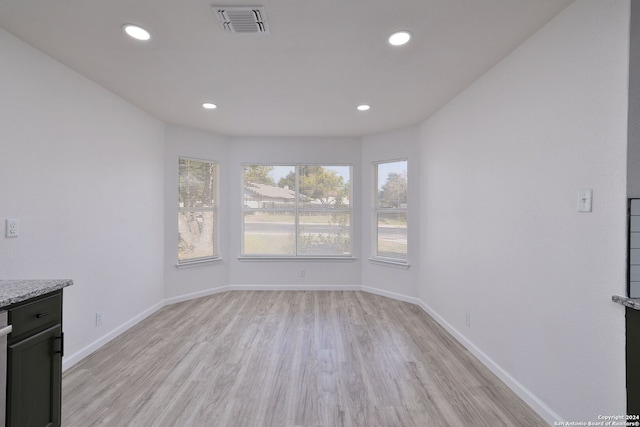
{"type": "Point", "coordinates": [198, 262]}
{"type": "Point", "coordinates": [70, 360]}
{"type": "Point", "coordinates": [194, 295]}
{"type": "Point", "coordinates": [524, 393]}
{"type": "Point", "coordinates": [392, 295]}
{"type": "Point", "coordinates": [296, 258]}
{"type": "Point", "coordinates": [295, 287]}
{"type": "Point", "coordinates": [390, 262]}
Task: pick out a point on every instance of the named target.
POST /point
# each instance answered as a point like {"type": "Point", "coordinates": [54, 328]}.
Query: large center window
{"type": "Point", "coordinates": [296, 211]}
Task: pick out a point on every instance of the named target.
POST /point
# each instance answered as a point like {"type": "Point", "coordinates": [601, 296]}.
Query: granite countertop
{"type": "Point", "coordinates": [627, 302]}
{"type": "Point", "coordinates": [13, 291]}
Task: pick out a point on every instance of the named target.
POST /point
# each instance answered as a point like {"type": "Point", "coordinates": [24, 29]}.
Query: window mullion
{"type": "Point", "coordinates": [197, 209]}
{"type": "Point", "coordinates": [391, 210]}
{"type": "Point", "coordinates": [297, 206]}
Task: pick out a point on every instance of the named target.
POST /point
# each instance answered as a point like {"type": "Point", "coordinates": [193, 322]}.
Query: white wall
{"type": "Point", "coordinates": [292, 150]}
{"type": "Point", "coordinates": [201, 278]}
{"type": "Point", "coordinates": [393, 145]}
{"type": "Point", "coordinates": [83, 171]}
{"type": "Point", "coordinates": [94, 180]}
{"type": "Point", "coordinates": [633, 139]}
{"type": "Point", "coordinates": [501, 236]}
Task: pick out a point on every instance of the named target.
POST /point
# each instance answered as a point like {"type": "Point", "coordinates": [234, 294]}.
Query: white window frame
{"type": "Point", "coordinates": [215, 257]}
{"type": "Point", "coordinates": [377, 209]}
{"type": "Point", "coordinates": [296, 210]}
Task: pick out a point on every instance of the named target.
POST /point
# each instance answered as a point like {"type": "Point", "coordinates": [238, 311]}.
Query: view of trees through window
{"type": "Point", "coordinates": [297, 210]}
{"type": "Point", "coordinates": [196, 210]}
{"type": "Point", "coordinates": [391, 210]}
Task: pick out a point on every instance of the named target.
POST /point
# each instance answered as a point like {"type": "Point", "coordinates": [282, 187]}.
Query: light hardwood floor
{"type": "Point", "coordinates": [291, 358]}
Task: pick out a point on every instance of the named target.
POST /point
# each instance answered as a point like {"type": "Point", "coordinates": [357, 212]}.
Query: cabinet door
{"type": "Point", "coordinates": [633, 360]}
{"type": "Point", "coordinates": [34, 380]}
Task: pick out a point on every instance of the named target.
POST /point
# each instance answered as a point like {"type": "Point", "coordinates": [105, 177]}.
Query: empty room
{"type": "Point", "coordinates": [319, 213]}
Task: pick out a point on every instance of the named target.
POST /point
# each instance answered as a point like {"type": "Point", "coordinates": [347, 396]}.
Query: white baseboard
{"type": "Point", "coordinates": [195, 295]}
{"type": "Point", "coordinates": [392, 295]}
{"type": "Point", "coordinates": [530, 399]}
{"type": "Point", "coordinates": [70, 360]}
{"type": "Point", "coordinates": [295, 287]}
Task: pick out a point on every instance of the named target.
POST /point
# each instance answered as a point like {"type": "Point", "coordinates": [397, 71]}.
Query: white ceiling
{"type": "Point", "coordinates": [322, 58]}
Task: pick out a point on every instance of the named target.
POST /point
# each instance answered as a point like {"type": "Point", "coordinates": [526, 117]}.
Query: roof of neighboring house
{"type": "Point", "coordinates": [269, 191]}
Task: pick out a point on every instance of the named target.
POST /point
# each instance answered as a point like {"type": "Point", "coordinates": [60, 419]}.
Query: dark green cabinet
{"type": "Point", "coordinates": [34, 363]}
{"type": "Point", "coordinates": [633, 360]}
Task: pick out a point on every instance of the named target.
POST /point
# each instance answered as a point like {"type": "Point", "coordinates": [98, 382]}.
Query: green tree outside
{"type": "Point", "coordinates": [318, 183]}
{"type": "Point", "coordinates": [393, 193]}
{"type": "Point", "coordinates": [258, 174]}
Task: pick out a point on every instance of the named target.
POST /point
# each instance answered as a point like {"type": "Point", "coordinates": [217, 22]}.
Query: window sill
{"type": "Point", "coordinates": [390, 262]}
{"type": "Point", "coordinates": [198, 263]}
{"type": "Point", "coordinates": [298, 258]}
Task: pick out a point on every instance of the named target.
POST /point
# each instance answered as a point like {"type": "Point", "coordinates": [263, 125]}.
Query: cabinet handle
{"type": "Point", "coordinates": [41, 315]}
{"type": "Point", "coordinates": [61, 351]}
{"type": "Point", "coordinates": [6, 330]}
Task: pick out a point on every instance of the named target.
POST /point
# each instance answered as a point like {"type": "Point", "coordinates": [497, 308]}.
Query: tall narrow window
{"type": "Point", "coordinates": [297, 210]}
{"type": "Point", "coordinates": [197, 210]}
{"type": "Point", "coordinates": [390, 211]}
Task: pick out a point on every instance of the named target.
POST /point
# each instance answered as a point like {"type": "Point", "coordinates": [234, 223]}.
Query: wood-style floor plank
{"type": "Point", "coordinates": [289, 358]}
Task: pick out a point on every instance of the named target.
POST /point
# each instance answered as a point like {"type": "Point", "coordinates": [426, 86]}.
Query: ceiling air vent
{"type": "Point", "coordinates": [242, 19]}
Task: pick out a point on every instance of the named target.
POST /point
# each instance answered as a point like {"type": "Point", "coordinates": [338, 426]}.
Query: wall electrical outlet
{"type": "Point", "coordinates": [12, 227]}
{"type": "Point", "coordinates": [98, 318]}
{"type": "Point", "coordinates": [303, 273]}
{"type": "Point", "coordinates": [467, 319]}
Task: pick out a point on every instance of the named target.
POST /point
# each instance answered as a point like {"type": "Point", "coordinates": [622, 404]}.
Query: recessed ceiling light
{"type": "Point", "coordinates": [399, 38]}
{"type": "Point", "coordinates": [363, 107]}
{"type": "Point", "coordinates": [209, 106]}
{"type": "Point", "coordinates": [136, 32]}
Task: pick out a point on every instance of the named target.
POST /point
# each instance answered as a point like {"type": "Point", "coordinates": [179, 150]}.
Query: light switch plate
{"type": "Point", "coordinates": [585, 198]}
{"type": "Point", "coordinates": [12, 227]}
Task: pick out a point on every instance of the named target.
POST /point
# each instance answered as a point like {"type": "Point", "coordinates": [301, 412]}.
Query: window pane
{"type": "Point", "coordinates": [269, 233]}
{"type": "Point", "coordinates": [324, 187]}
{"type": "Point", "coordinates": [392, 185]}
{"type": "Point", "coordinates": [269, 187]}
{"type": "Point", "coordinates": [296, 210]}
{"type": "Point", "coordinates": [324, 233]}
{"type": "Point", "coordinates": [195, 235]}
{"type": "Point", "coordinates": [392, 235]}
{"type": "Point", "coordinates": [196, 184]}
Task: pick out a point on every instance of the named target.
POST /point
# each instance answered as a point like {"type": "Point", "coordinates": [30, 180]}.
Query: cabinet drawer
{"type": "Point", "coordinates": [36, 315]}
